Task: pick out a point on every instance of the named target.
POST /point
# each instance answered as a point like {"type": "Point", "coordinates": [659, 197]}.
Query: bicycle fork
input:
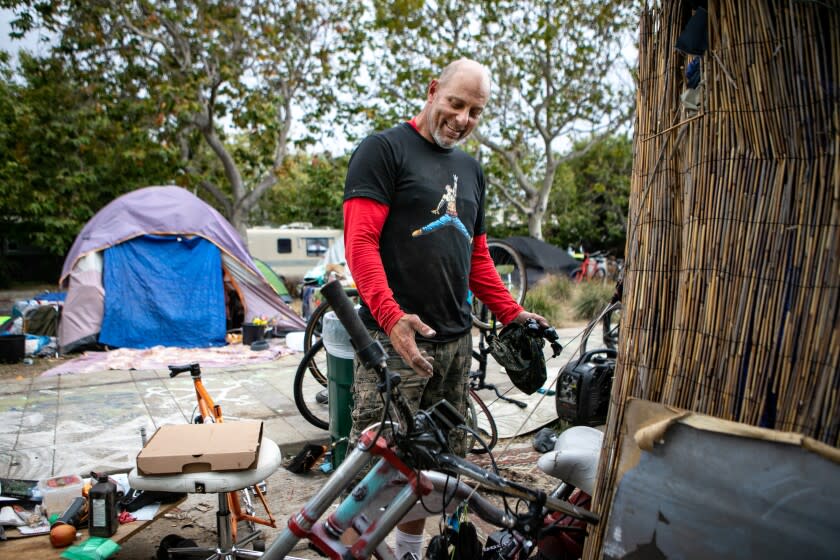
{"type": "Point", "coordinates": [325, 535]}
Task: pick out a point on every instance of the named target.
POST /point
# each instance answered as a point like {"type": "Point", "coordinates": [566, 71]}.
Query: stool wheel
{"type": "Point", "coordinates": [172, 541]}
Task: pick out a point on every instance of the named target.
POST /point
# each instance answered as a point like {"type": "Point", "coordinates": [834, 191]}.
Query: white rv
{"type": "Point", "coordinates": [291, 250]}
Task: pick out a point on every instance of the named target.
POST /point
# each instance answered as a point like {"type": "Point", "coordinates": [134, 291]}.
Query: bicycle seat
{"type": "Point", "coordinates": [575, 457]}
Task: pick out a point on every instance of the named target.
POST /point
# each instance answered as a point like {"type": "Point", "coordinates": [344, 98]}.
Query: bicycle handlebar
{"type": "Point", "coordinates": [370, 353]}
{"type": "Point", "coordinates": [500, 484]}
{"type": "Point", "coordinates": [428, 447]}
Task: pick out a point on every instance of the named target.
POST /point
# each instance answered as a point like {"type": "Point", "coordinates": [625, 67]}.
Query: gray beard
{"type": "Point", "coordinates": [443, 143]}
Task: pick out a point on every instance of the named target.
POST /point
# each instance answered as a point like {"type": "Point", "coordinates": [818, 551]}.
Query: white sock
{"type": "Point", "coordinates": [406, 542]}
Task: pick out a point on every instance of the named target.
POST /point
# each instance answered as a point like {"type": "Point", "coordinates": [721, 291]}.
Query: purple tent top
{"type": "Point", "coordinates": [155, 210]}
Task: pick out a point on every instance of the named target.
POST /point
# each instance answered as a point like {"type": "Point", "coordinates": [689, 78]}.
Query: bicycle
{"type": "Point", "coordinates": [413, 462]}
{"type": "Point", "coordinates": [592, 267]}
{"type": "Point", "coordinates": [315, 409]}
{"type": "Point", "coordinates": [610, 321]}
{"type": "Point", "coordinates": [311, 399]}
{"type": "Point", "coordinates": [240, 503]}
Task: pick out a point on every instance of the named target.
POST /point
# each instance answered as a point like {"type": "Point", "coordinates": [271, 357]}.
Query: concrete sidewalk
{"type": "Point", "coordinates": [74, 424]}
{"type": "Point", "coordinates": [91, 421]}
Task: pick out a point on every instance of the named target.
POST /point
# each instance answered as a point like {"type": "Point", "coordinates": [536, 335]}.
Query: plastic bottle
{"type": "Point", "coordinates": [103, 513]}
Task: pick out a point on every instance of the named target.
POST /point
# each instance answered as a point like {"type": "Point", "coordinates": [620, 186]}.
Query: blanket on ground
{"type": "Point", "coordinates": [159, 357]}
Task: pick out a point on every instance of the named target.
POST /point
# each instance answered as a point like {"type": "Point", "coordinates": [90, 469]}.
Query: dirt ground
{"type": "Point", "coordinates": [195, 517]}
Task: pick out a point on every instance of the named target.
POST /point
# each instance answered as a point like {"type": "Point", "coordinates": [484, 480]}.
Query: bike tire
{"type": "Point", "coordinates": [610, 328]}
{"type": "Point", "coordinates": [511, 269]}
{"type": "Point", "coordinates": [313, 330]}
{"type": "Point", "coordinates": [315, 323]}
{"type": "Point", "coordinates": [611, 324]}
{"type": "Point", "coordinates": [307, 384]}
{"type": "Point", "coordinates": [481, 420]}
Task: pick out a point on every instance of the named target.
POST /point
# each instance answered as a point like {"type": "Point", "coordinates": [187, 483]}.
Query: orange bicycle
{"type": "Point", "coordinates": [241, 502]}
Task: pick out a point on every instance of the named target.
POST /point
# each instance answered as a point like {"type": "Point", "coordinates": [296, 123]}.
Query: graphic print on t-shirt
{"type": "Point", "coordinates": [450, 217]}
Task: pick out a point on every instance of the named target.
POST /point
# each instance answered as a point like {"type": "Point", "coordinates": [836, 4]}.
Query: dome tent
{"type": "Point", "coordinates": [159, 266]}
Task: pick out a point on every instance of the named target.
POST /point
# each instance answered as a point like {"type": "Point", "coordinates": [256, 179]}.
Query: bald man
{"type": "Point", "coordinates": [413, 274]}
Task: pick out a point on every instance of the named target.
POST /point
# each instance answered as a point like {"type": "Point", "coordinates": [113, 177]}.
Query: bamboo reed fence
{"type": "Point", "coordinates": [732, 286]}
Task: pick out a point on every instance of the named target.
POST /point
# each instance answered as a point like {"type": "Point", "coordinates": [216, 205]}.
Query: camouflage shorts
{"type": "Point", "coordinates": [449, 381]}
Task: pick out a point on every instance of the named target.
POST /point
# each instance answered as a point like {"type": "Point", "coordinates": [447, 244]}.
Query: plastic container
{"type": "Point", "coordinates": [339, 379]}
{"type": "Point", "coordinates": [294, 340]}
{"type": "Point", "coordinates": [58, 492]}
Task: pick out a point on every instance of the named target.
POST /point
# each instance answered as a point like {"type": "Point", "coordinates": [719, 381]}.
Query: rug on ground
{"type": "Point", "coordinates": [159, 357]}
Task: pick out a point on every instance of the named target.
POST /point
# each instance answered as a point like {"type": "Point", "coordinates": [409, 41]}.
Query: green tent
{"type": "Point", "coordinates": [275, 281]}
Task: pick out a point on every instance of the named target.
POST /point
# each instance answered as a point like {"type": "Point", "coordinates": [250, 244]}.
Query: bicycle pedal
{"type": "Point", "coordinates": [322, 397]}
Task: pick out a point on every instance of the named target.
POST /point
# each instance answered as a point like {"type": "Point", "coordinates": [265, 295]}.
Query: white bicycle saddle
{"type": "Point", "coordinates": [575, 457]}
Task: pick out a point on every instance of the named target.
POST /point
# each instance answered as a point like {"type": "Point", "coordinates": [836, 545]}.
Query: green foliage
{"type": "Point", "coordinates": [216, 71]}
{"type": "Point", "coordinates": [589, 203]}
{"type": "Point", "coordinates": [591, 299]}
{"type": "Point", "coordinates": [541, 300]}
{"type": "Point", "coordinates": [308, 189]}
{"type": "Point", "coordinates": [66, 149]}
{"type": "Point", "coordinates": [553, 66]}
{"type": "Point", "coordinates": [558, 286]}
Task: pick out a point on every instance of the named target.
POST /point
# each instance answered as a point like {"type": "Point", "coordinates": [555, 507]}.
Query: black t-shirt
{"type": "Point", "coordinates": [428, 271]}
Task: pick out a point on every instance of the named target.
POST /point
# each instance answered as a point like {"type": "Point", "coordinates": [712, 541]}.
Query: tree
{"type": "Point", "coordinates": [213, 69]}
{"type": "Point", "coordinates": [64, 151]}
{"type": "Point", "coordinates": [553, 65]}
{"type": "Point", "coordinates": [589, 201]}
{"type": "Point", "coordinates": [308, 189]}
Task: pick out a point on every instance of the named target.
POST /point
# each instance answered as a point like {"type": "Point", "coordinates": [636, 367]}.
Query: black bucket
{"type": "Point", "coordinates": [251, 332]}
{"type": "Point", "coordinates": [12, 348]}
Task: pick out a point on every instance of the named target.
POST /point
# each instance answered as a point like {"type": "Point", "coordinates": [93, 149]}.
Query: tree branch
{"type": "Point", "coordinates": [495, 183]}
{"type": "Point", "coordinates": [512, 161]}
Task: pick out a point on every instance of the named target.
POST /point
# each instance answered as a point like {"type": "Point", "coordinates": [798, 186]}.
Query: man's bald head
{"type": "Point", "coordinates": [454, 103]}
{"type": "Point", "coordinates": [467, 67]}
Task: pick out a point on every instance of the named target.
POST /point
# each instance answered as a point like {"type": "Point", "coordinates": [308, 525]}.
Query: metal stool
{"type": "Point", "coordinates": [219, 482]}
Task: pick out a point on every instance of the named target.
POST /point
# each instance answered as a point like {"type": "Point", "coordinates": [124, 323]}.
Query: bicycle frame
{"type": "Point", "coordinates": [393, 483]}
{"type": "Point", "coordinates": [208, 409]}
{"type": "Point", "coordinates": [423, 448]}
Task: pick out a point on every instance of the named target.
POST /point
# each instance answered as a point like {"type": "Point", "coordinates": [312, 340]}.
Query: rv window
{"type": "Point", "coordinates": [316, 246]}
{"type": "Point", "coordinates": [284, 245]}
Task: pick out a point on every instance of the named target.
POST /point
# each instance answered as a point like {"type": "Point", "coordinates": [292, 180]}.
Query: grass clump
{"type": "Point", "coordinates": [591, 299]}
{"type": "Point", "coordinates": [560, 287]}
{"type": "Point", "coordinates": [540, 300]}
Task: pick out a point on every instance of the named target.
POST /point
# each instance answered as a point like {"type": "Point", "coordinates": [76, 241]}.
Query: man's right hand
{"type": "Point", "coordinates": [402, 339]}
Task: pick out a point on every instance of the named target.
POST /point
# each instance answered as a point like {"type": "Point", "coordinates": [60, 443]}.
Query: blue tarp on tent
{"type": "Point", "coordinates": [163, 290]}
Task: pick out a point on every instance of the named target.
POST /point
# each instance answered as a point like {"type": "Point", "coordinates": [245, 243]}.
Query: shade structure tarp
{"type": "Point", "coordinates": [542, 258]}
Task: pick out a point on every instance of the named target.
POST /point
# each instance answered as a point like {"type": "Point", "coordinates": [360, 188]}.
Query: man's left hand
{"type": "Point", "coordinates": [525, 315]}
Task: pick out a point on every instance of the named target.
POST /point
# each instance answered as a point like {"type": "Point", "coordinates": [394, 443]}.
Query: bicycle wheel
{"type": "Point", "coordinates": [611, 324]}
{"type": "Point", "coordinates": [312, 334]}
{"type": "Point", "coordinates": [511, 269]}
{"type": "Point", "coordinates": [315, 324]}
{"type": "Point", "coordinates": [308, 385]}
{"type": "Point", "coordinates": [480, 420]}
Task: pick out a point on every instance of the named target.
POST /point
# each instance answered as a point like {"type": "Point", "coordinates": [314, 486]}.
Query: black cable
{"type": "Point", "coordinates": [385, 416]}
